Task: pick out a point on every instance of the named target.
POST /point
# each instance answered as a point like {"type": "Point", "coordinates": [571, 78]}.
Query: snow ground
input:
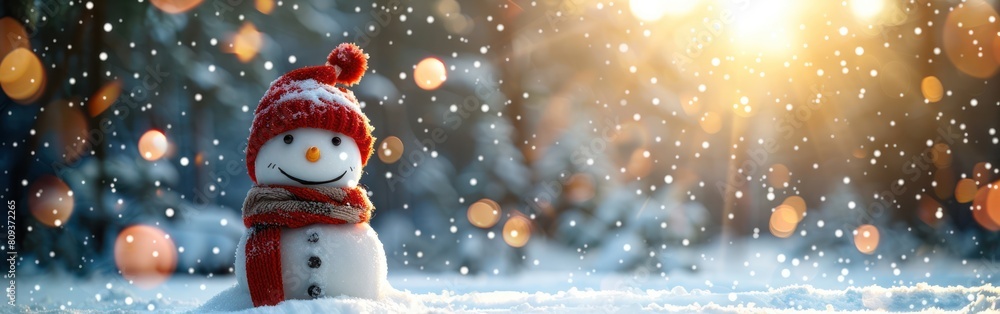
{"type": "Point", "coordinates": [763, 280]}
{"type": "Point", "coordinates": [191, 294]}
{"type": "Point", "coordinates": [678, 300]}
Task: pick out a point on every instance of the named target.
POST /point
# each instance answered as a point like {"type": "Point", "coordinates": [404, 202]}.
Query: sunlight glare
{"type": "Point", "coordinates": [765, 25]}
{"type": "Point", "coordinates": [866, 8]}
{"type": "Point", "coordinates": [653, 10]}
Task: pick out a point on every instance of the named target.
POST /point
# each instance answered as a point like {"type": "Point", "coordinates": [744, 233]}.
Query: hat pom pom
{"type": "Point", "coordinates": [351, 62]}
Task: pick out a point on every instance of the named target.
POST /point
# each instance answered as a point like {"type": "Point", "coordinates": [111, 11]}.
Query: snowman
{"type": "Point", "coordinates": [307, 232]}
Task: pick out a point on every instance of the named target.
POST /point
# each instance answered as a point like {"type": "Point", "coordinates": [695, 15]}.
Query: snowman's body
{"type": "Point", "coordinates": [319, 260]}
{"type": "Point", "coordinates": [327, 260]}
{"type": "Point", "coordinates": [307, 219]}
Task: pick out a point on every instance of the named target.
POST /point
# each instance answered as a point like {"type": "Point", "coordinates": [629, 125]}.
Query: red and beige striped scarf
{"type": "Point", "coordinates": [267, 209]}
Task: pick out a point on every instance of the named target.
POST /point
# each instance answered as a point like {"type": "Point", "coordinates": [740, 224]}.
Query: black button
{"type": "Point", "coordinates": [314, 262]}
{"type": "Point", "coordinates": [315, 291]}
{"type": "Point", "coordinates": [313, 237]}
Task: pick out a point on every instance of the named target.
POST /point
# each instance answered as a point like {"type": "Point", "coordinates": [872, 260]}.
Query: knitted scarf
{"type": "Point", "coordinates": [268, 209]}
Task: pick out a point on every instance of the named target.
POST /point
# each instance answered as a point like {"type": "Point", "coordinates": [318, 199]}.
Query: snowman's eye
{"type": "Point", "coordinates": [289, 139]}
{"type": "Point", "coordinates": [336, 141]}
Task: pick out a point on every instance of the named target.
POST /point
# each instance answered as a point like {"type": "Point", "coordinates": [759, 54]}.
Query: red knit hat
{"type": "Point", "coordinates": [307, 98]}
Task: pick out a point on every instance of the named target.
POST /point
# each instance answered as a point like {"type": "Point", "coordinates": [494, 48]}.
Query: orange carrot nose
{"type": "Point", "coordinates": [312, 154]}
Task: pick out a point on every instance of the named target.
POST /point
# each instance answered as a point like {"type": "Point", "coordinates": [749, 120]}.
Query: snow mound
{"type": "Point", "coordinates": [237, 300]}
{"type": "Point", "coordinates": [789, 299]}
{"type": "Point", "coordinates": [528, 292]}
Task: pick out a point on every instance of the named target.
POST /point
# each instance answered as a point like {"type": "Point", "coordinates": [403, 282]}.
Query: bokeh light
{"type": "Point", "coordinates": [517, 231]}
{"type": "Point", "coordinates": [175, 6]}
{"type": "Point", "coordinates": [798, 204]}
{"type": "Point", "coordinates": [897, 78]}
{"type": "Point", "coordinates": [932, 89]}
{"type": "Point", "coordinates": [23, 77]}
{"type": "Point", "coordinates": [981, 173]}
{"type": "Point", "coordinates": [690, 104]}
{"type": "Point", "coordinates": [145, 255]}
{"type": "Point", "coordinates": [941, 155]}
{"type": "Point", "coordinates": [14, 36]}
{"type": "Point", "coordinates": [930, 211]}
{"type": "Point", "coordinates": [993, 204]}
{"type": "Point", "coordinates": [64, 130]}
{"type": "Point", "coordinates": [711, 122]}
{"type": "Point", "coordinates": [264, 6]}
{"type": "Point", "coordinates": [779, 176]}
{"type": "Point", "coordinates": [944, 183]}
{"type": "Point", "coordinates": [390, 150]}
{"type": "Point", "coordinates": [859, 153]}
{"type": "Point", "coordinates": [980, 210]}
{"type": "Point", "coordinates": [783, 221]}
{"type": "Point", "coordinates": [456, 22]}
{"type": "Point", "coordinates": [579, 188]}
{"type": "Point", "coordinates": [653, 10]}
{"type": "Point", "coordinates": [104, 97]}
{"type": "Point", "coordinates": [965, 190]}
{"type": "Point", "coordinates": [152, 145]}
{"type": "Point", "coordinates": [996, 49]}
{"type": "Point", "coordinates": [430, 73]}
{"type": "Point", "coordinates": [639, 164]}
{"type": "Point", "coordinates": [866, 238]}
{"type": "Point", "coordinates": [968, 38]}
{"type": "Point", "coordinates": [50, 201]}
{"type": "Point", "coordinates": [484, 213]}
{"type": "Point", "coordinates": [246, 42]}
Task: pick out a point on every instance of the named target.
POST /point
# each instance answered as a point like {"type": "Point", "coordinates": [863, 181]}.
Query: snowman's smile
{"type": "Point", "coordinates": [307, 182]}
